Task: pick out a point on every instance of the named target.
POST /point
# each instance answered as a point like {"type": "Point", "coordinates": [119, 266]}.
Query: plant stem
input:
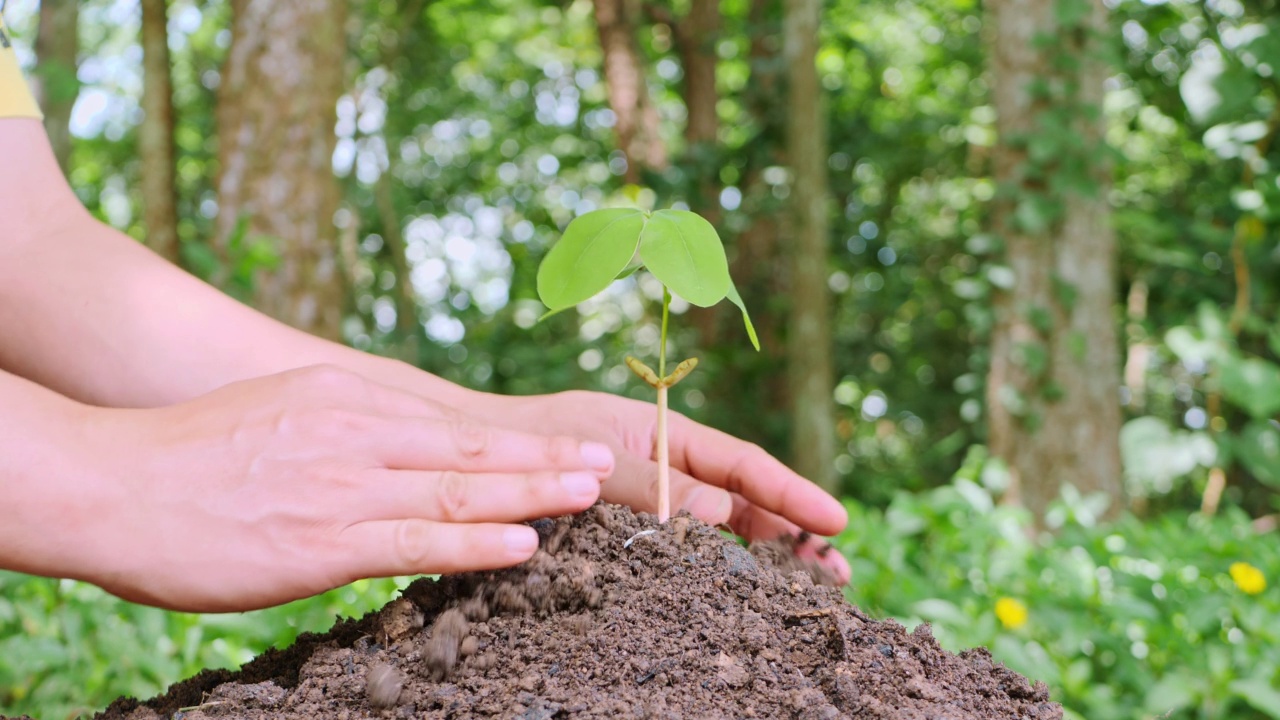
{"type": "Point", "coordinates": [662, 347]}
{"type": "Point", "coordinates": [664, 472]}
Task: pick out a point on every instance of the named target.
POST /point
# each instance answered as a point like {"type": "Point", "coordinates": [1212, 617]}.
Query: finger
{"type": "Point", "coordinates": [384, 548]}
{"type": "Point", "coordinates": [744, 469]}
{"type": "Point", "coordinates": [451, 496]}
{"type": "Point", "coordinates": [755, 523]}
{"type": "Point", "coordinates": [467, 445]}
{"type": "Point", "coordinates": [635, 484]}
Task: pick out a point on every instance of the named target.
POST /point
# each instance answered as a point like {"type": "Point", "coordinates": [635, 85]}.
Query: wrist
{"type": "Point", "coordinates": [406, 377]}
{"type": "Point", "coordinates": [52, 485]}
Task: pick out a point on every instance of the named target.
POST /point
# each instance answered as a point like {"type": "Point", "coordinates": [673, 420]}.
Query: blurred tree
{"type": "Point", "coordinates": [1053, 385]}
{"type": "Point", "coordinates": [809, 329]}
{"type": "Point", "coordinates": [277, 194]}
{"type": "Point", "coordinates": [156, 147]}
{"type": "Point", "coordinates": [56, 86]}
{"type": "Point", "coordinates": [408, 325]}
{"type": "Point", "coordinates": [635, 116]}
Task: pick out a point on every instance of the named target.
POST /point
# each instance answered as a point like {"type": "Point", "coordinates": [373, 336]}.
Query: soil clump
{"type": "Point", "coordinates": [615, 616]}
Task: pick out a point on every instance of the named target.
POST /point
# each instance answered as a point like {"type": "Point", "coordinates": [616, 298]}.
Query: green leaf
{"type": "Point", "coordinates": [683, 251]}
{"type": "Point", "coordinates": [1155, 455]}
{"type": "Point", "coordinates": [1258, 693]}
{"type": "Point", "coordinates": [629, 270]}
{"type": "Point", "coordinates": [1191, 346]}
{"type": "Point", "coordinates": [1252, 384]}
{"type": "Point", "coordinates": [1273, 339]}
{"type": "Point", "coordinates": [736, 299]}
{"type": "Point", "coordinates": [595, 248]}
{"type": "Point", "coordinates": [1258, 448]}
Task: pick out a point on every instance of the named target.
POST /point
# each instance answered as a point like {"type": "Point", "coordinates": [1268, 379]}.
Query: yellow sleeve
{"type": "Point", "coordinates": [15, 96]}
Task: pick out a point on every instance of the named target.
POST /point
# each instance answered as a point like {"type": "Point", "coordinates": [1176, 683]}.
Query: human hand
{"type": "Point", "coordinates": [282, 487]}
{"type": "Point", "coordinates": [716, 477]}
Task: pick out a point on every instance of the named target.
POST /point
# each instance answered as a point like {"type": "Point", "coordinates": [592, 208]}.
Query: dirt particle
{"type": "Point", "coordinates": [557, 538]}
{"type": "Point", "coordinates": [529, 682]}
{"type": "Point", "coordinates": [578, 624]}
{"type": "Point", "coordinates": [730, 671]}
{"type": "Point", "coordinates": [475, 609]}
{"type": "Point", "coordinates": [739, 560]}
{"type": "Point", "coordinates": [509, 598]}
{"type": "Point", "coordinates": [383, 686]}
{"type": "Point", "coordinates": [681, 528]}
{"type": "Point", "coordinates": [400, 619]}
{"type": "Point", "coordinates": [603, 516]}
{"type": "Point", "coordinates": [468, 646]}
{"type": "Point", "coordinates": [441, 653]}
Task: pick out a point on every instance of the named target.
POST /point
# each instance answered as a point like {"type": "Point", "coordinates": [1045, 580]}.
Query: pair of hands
{"type": "Point", "coordinates": [282, 487]}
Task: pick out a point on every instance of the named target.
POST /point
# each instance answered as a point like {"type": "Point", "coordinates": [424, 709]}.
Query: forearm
{"type": "Point", "coordinates": [100, 318]}
{"type": "Point", "coordinates": [89, 312]}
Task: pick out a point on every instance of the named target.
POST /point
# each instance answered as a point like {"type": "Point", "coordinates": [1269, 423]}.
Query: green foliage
{"type": "Point", "coordinates": [595, 250]}
{"type": "Point", "coordinates": [683, 251]}
{"type": "Point", "coordinates": [1137, 618]}
{"type": "Point", "coordinates": [1253, 384]}
{"type": "Point", "coordinates": [67, 648]}
{"type": "Point", "coordinates": [680, 248]}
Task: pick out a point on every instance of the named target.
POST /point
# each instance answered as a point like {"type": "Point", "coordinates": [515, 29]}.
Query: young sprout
{"type": "Point", "coordinates": [680, 249]}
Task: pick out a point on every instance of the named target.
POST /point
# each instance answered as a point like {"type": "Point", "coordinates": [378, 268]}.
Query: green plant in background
{"type": "Point", "coordinates": [1172, 617]}
{"type": "Point", "coordinates": [68, 648]}
{"type": "Point", "coordinates": [679, 248]}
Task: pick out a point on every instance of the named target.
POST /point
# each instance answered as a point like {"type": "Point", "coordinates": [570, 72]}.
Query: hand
{"type": "Point", "coordinates": [281, 487]}
{"type": "Point", "coordinates": [716, 477]}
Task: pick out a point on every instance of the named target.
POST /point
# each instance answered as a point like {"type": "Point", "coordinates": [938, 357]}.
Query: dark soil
{"type": "Point", "coordinates": [616, 616]}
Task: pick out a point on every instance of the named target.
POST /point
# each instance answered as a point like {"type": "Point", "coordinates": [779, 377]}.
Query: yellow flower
{"type": "Point", "coordinates": [1248, 578]}
{"type": "Point", "coordinates": [1012, 613]}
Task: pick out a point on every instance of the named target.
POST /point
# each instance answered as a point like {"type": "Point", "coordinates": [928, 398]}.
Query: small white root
{"type": "Point", "coordinates": [638, 535]}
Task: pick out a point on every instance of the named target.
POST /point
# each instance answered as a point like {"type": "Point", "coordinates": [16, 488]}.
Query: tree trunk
{"type": "Point", "coordinates": [155, 135]}
{"type": "Point", "coordinates": [276, 114]}
{"type": "Point", "coordinates": [1052, 391]}
{"type": "Point", "coordinates": [407, 323]}
{"type": "Point", "coordinates": [636, 118]}
{"type": "Point", "coordinates": [697, 35]}
{"type": "Point", "coordinates": [56, 86]}
{"type": "Point", "coordinates": [809, 349]}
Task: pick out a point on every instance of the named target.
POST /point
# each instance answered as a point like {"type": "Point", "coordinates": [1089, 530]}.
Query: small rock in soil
{"type": "Point", "coordinates": [384, 686]}
{"type": "Point", "coordinates": [442, 649]}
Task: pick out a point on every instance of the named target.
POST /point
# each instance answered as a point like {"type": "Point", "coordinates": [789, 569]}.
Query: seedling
{"type": "Point", "coordinates": [680, 249]}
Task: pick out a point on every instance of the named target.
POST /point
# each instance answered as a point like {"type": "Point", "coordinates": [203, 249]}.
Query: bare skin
{"type": "Point", "coordinates": [181, 449]}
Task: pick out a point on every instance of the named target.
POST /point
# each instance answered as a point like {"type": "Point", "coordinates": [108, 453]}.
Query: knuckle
{"type": "Point", "coordinates": [545, 486]}
{"type": "Point", "coordinates": [472, 438]}
{"type": "Point", "coordinates": [412, 543]}
{"type": "Point", "coordinates": [331, 378]}
{"type": "Point", "coordinates": [336, 423]}
{"type": "Point", "coordinates": [562, 452]}
{"type": "Point", "coordinates": [451, 496]}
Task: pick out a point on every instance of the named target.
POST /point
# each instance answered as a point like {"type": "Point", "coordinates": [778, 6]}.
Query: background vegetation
{"type": "Point", "coordinates": [988, 350]}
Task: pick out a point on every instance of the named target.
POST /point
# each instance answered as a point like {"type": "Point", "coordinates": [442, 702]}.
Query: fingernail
{"type": "Point", "coordinates": [598, 457]}
{"type": "Point", "coordinates": [711, 505]}
{"type": "Point", "coordinates": [520, 540]}
{"type": "Point", "coordinates": [843, 568]}
{"type": "Point", "coordinates": [581, 484]}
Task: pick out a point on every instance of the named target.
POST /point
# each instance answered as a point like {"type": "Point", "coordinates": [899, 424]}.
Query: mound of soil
{"type": "Point", "coordinates": [616, 616]}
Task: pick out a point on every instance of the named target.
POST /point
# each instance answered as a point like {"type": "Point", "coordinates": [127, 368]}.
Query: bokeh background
{"type": "Point", "coordinates": [1014, 264]}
